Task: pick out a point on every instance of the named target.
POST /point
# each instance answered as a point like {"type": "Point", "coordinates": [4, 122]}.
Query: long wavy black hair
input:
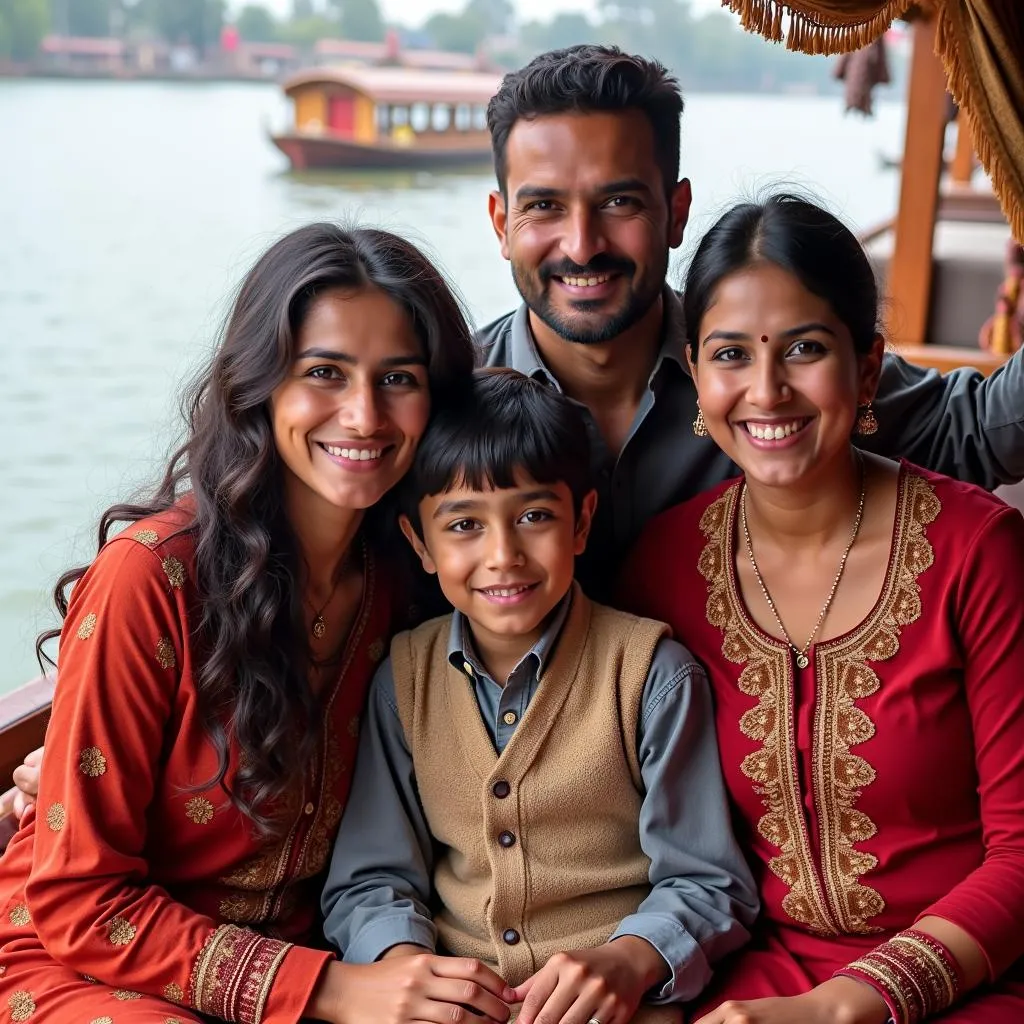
{"type": "Point", "coordinates": [253, 678]}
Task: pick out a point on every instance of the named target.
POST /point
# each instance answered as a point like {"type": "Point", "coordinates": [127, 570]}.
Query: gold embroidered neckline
{"type": "Point", "coordinates": [831, 900]}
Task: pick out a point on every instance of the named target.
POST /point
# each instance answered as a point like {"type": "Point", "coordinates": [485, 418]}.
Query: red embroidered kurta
{"type": "Point", "coordinates": [885, 781]}
{"type": "Point", "coordinates": [127, 890]}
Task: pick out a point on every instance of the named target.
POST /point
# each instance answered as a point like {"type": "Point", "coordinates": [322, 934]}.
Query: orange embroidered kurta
{"type": "Point", "coordinates": [128, 890]}
{"type": "Point", "coordinates": [885, 781]}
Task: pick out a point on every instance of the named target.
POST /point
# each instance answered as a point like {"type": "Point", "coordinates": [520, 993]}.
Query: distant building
{"type": "Point", "coordinates": [71, 54]}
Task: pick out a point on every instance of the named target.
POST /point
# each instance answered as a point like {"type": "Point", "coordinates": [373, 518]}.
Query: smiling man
{"type": "Point", "coordinates": [588, 206]}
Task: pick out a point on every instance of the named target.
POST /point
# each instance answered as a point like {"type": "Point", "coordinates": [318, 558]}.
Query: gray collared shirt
{"type": "Point", "coordinates": [703, 899]}
{"type": "Point", "coordinates": [961, 424]}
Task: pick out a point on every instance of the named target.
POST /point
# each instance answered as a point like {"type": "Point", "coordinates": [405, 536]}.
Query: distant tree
{"type": "Point", "coordinates": [196, 21]}
{"type": "Point", "coordinates": [256, 24]}
{"type": "Point", "coordinates": [361, 20]}
{"type": "Point", "coordinates": [498, 16]}
{"type": "Point", "coordinates": [88, 17]}
{"type": "Point", "coordinates": [302, 9]}
{"type": "Point", "coordinates": [304, 32]}
{"type": "Point", "coordinates": [23, 23]}
{"type": "Point", "coordinates": [565, 29]}
{"type": "Point", "coordinates": [460, 32]}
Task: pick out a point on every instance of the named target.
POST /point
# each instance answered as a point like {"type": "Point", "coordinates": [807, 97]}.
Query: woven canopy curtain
{"type": "Point", "coordinates": [981, 43]}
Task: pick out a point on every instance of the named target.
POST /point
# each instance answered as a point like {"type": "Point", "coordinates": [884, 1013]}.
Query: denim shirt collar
{"type": "Point", "coordinates": [462, 653]}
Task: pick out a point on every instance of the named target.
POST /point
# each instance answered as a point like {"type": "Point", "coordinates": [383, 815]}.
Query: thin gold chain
{"type": "Point", "coordinates": [801, 652]}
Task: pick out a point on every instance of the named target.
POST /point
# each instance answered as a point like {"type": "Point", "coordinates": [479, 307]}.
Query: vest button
{"type": "Point", "coordinates": [507, 839]}
{"type": "Point", "coordinates": [501, 789]}
{"type": "Point", "coordinates": [510, 936]}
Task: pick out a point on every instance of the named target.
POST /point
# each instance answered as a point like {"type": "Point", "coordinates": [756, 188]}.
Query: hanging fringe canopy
{"type": "Point", "coordinates": [981, 43]}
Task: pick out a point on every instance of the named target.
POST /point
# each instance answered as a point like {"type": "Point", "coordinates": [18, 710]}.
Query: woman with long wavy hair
{"type": "Point", "coordinates": [215, 656]}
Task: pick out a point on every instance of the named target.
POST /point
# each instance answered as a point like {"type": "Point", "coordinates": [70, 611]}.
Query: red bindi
{"type": "Point", "coordinates": [764, 339]}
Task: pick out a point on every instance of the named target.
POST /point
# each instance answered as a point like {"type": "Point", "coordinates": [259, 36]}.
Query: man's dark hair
{"type": "Point", "coordinates": [583, 79]}
{"type": "Point", "coordinates": [503, 422]}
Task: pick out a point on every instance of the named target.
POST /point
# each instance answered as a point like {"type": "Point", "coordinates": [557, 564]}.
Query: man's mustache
{"type": "Point", "coordinates": [600, 264]}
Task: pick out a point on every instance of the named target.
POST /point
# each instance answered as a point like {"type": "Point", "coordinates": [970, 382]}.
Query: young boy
{"type": "Point", "coordinates": [537, 787]}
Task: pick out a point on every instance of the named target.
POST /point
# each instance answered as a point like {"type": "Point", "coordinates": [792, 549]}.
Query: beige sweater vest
{"type": "Point", "coordinates": [556, 863]}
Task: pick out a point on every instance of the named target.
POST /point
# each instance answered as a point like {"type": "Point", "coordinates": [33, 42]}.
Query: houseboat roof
{"type": "Point", "coordinates": [402, 85]}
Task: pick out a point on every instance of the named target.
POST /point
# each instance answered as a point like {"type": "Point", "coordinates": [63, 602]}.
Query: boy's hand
{"type": "Point", "coordinates": [604, 984]}
{"type": "Point", "coordinates": [424, 987]}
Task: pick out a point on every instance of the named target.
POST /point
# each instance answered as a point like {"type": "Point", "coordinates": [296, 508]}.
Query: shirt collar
{"type": "Point", "coordinates": [526, 358]}
{"type": "Point", "coordinates": [460, 642]}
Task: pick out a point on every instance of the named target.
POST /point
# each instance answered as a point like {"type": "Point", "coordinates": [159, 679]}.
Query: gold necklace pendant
{"type": "Point", "coordinates": [319, 627]}
{"type": "Point", "coordinates": [802, 661]}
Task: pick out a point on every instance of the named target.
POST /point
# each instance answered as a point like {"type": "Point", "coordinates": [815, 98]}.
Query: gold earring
{"type": "Point", "coordinates": [699, 426]}
{"type": "Point", "coordinates": [866, 421]}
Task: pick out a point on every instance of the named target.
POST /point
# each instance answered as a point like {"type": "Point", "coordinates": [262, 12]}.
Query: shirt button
{"type": "Point", "coordinates": [507, 839]}
{"type": "Point", "coordinates": [501, 789]}
{"type": "Point", "coordinates": [510, 718]}
{"type": "Point", "coordinates": [510, 936]}
{"type": "Point", "coordinates": [468, 669]}
{"type": "Point", "coordinates": [309, 808]}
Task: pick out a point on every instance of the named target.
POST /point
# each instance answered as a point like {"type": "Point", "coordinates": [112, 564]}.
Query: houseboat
{"type": "Point", "coordinates": [387, 117]}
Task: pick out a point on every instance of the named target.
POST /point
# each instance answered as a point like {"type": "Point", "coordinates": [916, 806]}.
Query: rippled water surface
{"type": "Point", "coordinates": [128, 211]}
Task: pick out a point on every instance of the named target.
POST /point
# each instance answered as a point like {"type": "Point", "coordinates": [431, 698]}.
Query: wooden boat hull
{"type": "Point", "coordinates": [305, 152]}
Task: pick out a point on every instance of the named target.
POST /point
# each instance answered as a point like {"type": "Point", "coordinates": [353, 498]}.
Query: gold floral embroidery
{"type": "Point", "coordinates": [125, 994]}
{"type": "Point", "coordinates": [102, 1020]}
{"type": "Point", "coordinates": [55, 817]}
{"type": "Point", "coordinates": [165, 656]}
{"type": "Point", "coordinates": [844, 677]}
{"type": "Point", "coordinates": [245, 908]}
{"type": "Point", "coordinates": [21, 1004]}
{"type": "Point", "coordinates": [175, 572]}
{"type": "Point", "coordinates": [19, 915]}
{"type": "Point", "coordinates": [3, 970]}
{"type": "Point", "coordinates": [171, 1020]}
{"type": "Point", "coordinates": [842, 904]}
{"type": "Point", "coordinates": [90, 979]}
{"type": "Point", "coordinates": [87, 627]}
{"type": "Point", "coordinates": [121, 931]}
{"type": "Point", "coordinates": [199, 810]}
{"type": "Point", "coordinates": [376, 650]}
{"type": "Point", "coordinates": [765, 675]}
{"type": "Point", "coordinates": [174, 993]}
{"type": "Point", "coordinates": [147, 537]}
{"type": "Point", "coordinates": [91, 762]}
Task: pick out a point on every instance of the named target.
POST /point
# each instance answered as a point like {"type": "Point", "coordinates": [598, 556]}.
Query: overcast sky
{"type": "Point", "coordinates": [415, 12]}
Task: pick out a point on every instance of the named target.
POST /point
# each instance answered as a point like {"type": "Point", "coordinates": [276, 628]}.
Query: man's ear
{"type": "Point", "coordinates": [496, 207]}
{"type": "Point", "coordinates": [679, 212]}
{"type": "Point", "coordinates": [583, 522]}
{"type": "Point", "coordinates": [870, 367]}
{"type": "Point", "coordinates": [417, 544]}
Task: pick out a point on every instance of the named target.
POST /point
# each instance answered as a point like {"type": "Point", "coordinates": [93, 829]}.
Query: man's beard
{"type": "Point", "coordinates": [575, 326]}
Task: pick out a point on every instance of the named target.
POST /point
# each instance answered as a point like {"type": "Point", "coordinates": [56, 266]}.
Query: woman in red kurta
{"type": "Point", "coordinates": [215, 657]}
{"type": "Point", "coordinates": [862, 624]}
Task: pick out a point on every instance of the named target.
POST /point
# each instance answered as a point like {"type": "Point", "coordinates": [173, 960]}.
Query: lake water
{"type": "Point", "coordinates": [128, 211]}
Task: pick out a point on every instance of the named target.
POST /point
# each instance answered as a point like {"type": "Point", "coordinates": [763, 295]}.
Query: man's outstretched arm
{"type": "Point", "coordinates": [962, 424]}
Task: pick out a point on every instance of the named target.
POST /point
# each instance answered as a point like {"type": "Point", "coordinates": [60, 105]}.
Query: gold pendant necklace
{"type": "Point", "coordinates": [319, 627]}
{"type": "Point", "coordinates": [802, 660]}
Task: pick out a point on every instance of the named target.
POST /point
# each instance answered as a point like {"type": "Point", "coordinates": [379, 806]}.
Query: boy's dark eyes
{"type": "Point", "coordinates": [535, 515]}
{"type": "Point", "coordinates": [463, 526]}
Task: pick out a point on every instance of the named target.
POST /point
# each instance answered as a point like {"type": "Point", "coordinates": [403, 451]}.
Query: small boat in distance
{"type": "Point", "coordinates": [379, 117]}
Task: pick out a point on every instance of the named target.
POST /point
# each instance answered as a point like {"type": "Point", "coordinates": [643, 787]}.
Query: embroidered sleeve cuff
{"type": "Point", "coordinates": [234, 974]}
{"type": "Point", "coordinates": [375, 939]}
{"type": "Point", "coordinates": [689, 968]}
